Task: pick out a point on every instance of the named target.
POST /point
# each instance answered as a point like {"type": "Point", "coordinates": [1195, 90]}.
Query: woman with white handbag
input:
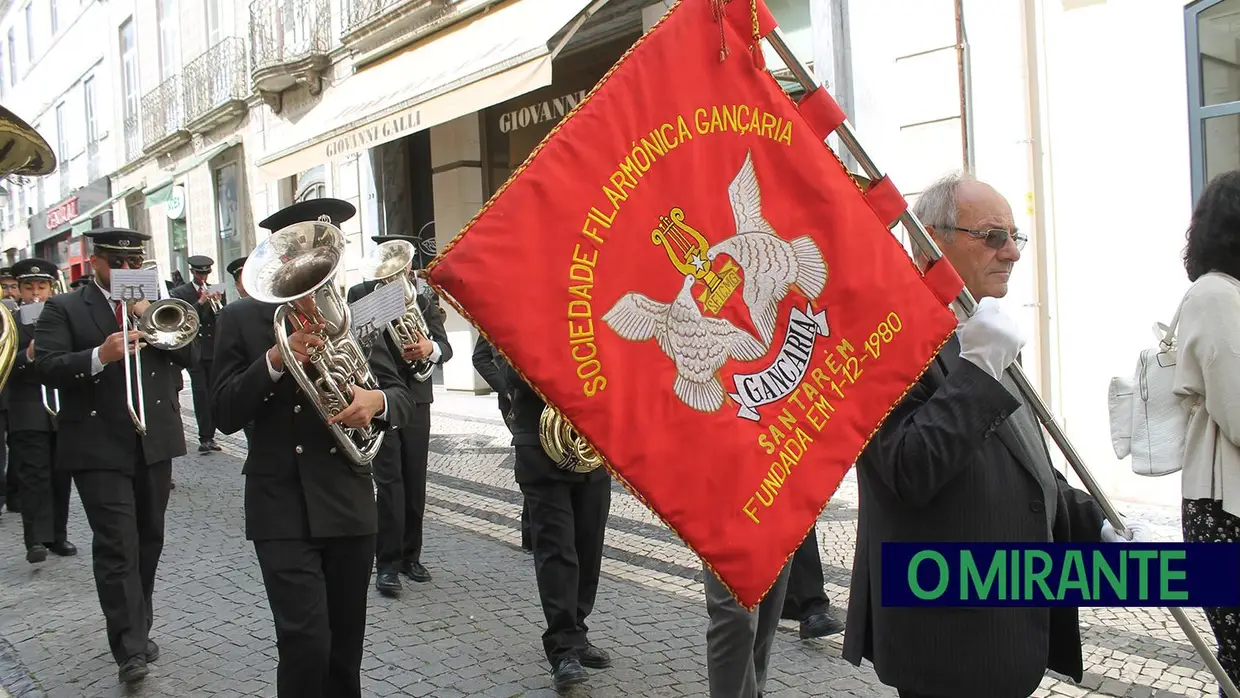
{"type": "Point", "coordinates": [1207, 377]}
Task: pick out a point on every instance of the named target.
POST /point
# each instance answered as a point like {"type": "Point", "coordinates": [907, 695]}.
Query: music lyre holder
{"type": "Point", "coordinates": [967, 303]}
{"type": "Point", "coordinates": [133, 294]}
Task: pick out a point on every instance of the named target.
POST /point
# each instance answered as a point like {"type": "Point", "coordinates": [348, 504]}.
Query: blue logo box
{"type": "Point", "coordinates": [1061, 574]}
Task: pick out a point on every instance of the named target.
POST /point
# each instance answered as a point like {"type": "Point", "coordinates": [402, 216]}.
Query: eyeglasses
{"type": "Point", "coordinates": [996, 238]}
{"type": "Point", "coordinates": [118, 261]}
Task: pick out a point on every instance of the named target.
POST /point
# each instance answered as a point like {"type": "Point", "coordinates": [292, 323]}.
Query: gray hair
{"type": "Point", "coordinates": [936, 205]}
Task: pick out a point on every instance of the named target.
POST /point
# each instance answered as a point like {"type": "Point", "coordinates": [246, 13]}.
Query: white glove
{"type": "Point", "coordinates": [1135, 528]}
{"type": "Point", "coordinates": [990, 339]}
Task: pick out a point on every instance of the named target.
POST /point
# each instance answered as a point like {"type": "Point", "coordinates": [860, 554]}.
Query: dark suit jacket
{"type": "Point", "coordinates": [533, 465]}
{"type": "Point", "coordinates": [487, 363]}
{"type": "Point", "coordinates": [206, 319]}
{"type": "Point", "coordinates": [422, 391]}
{"type": "Point", "coordinates": [946, 465]}
{"type": "Point", "coordinates": [95, 430]}
{"type": "Point", "coordinates": [297, 485]}
{"type": "Point", "coordinates": [26, 391]}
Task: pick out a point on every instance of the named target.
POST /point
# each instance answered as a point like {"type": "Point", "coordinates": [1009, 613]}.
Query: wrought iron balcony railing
{"type": "Point", "coordinates": [133, 138]}
{"type": "Point", "coordinates": [285, 31]}
{"type": "Point", "coordinates": [163, 114]}
{"type": "Point", "coordinates": [362, 12]}
{"type": "Point", "coordinates": [215, 80]}
{"type": "Point", "coordinates": [92, 161]}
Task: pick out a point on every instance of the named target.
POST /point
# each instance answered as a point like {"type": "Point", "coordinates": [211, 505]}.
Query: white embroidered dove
{"type": "Point", "coordinates": [698, 346]}
{"type": "Point", "coordinates": [771, 264]}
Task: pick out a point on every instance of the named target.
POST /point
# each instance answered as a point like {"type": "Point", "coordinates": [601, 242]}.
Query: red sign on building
{"type": "Point", "coordinates": [62, 213]}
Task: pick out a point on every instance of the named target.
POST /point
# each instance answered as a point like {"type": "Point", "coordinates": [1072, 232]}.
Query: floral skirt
{"type": "Point", "coordinates": [1204, 521]}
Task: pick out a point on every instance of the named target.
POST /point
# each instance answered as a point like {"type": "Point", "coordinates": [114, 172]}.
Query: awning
{"type": "Point", "coordinates": [158, 193]}
{"type": "Point", "coordinates": [486, 60]}
{"type": "Point", "coordinates": [81, 224]}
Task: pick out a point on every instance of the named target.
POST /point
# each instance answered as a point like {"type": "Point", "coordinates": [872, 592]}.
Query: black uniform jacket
{"type": "Point", "coordinates": [25, 390]}
{"type": "Point", "coordinates": [422, 391]}
{"type": "Point", "coordinates": [948, 465]}
{"type": "Point", "coordinates": [95, 430]}
{"type": "Point", "coordinates": [297, 483]}
{"type": "Point", "coordinates": [524, 412]}
{"type": "Point", "coordinates": [206, 319]}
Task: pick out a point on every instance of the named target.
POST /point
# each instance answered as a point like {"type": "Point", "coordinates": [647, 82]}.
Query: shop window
{"type": "Point", "coordinates": [1212, 33]}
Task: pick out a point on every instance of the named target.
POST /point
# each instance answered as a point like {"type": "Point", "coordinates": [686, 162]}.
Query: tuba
{"type": "Point", "coordinates": [563, 445]}
{"type": "Point", "coordinates": [294, 268]}
{"type": "Point", "coordinates": [389, 263]}
{"type": "Point", "coordinates": [23, 152]}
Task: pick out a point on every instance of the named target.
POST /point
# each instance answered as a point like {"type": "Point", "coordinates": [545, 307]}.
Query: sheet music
{"type": "Point", "coordinates": [29, 312]}
{"type": "Point", "coordinates": [217, 288]}
{"type": "Point", "coordinates": [135, 285]}
{"type": "Point", "coordinates": [372, 313]}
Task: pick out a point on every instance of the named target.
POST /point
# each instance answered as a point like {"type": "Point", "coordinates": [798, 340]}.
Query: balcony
{"type": "Point", "coordinates": [215, 86]}
{"type": "Point", "coordinates": [376, 28]}
{"type": "Point", "coordinates": [163, 118]}
{"type": "Point", "coordinates": [289, 43]}
{"type": "Point", "coordinates": [133, 138]}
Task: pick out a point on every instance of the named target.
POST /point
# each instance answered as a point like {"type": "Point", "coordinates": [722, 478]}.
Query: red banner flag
{"type": "Point", "coordinates": [685, 270]}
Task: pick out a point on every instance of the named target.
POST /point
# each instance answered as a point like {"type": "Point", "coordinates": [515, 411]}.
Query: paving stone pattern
{"type": "Point", "coordinates": [475, 629]}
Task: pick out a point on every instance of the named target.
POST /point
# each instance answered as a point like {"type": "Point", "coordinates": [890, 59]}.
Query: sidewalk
{"type": "Point", "coordinates": [475, 629]}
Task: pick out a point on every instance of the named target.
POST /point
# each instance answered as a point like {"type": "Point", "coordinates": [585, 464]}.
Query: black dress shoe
{"type": "Point", "coordinates": [595, 658]}
{"type": "Point", "coordinates": [568, 672]}
{"type": "Point", "coordinates": [204, 448]}
{"type": "Point", "coordinates": [388, 583]}
{"type": "Point", "coordinates": [134, 669]}
{"type": "Point", "coordinates": [36, 553]}
{"type": "Point", "coordinates": [415, 572]}
{"type": "Point", "coordinates": [152, 652]}
{"type": "Point", "coordinates": [63, 548]}
{"type": "Point", "coordinates": [820, 625]}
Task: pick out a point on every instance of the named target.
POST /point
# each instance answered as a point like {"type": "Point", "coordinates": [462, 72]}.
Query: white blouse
{"type": "Point", "coordinates": [1207, 375]}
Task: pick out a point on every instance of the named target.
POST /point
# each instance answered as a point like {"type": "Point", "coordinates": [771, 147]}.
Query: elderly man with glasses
{"type": "Point", "coordinates": [962, 458]}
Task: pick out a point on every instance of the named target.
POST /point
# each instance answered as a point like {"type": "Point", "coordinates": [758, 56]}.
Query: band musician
{"type": "Point", "coordinates": [9, 486]}
{"type": "Point", "coordinates": [32, 430]}
{"type": "Point", "coordinates": [198, 294]}
{"type": "Point", "coordinates": [400, 472]}
{"type": "Point", "coordinates": [487, 362]}
{"type": "Point", "coordinates": [122, 477]}
{"type": "Point", "coordinates": [568, 519]}
{"type": "Point", "coordinates": [234, 269]}
{"type": "Point", "coordinates": [309, 511]}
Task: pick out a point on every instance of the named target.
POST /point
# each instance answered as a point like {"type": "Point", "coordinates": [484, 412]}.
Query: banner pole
{"type": "Point", "coordinates": [968, 304]}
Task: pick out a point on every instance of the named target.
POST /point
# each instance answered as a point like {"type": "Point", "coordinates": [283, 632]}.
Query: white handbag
{"type": "Point", "coordinates": [1148, 420]}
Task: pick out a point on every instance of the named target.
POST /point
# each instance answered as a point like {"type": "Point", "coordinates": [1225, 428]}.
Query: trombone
{"type": "Point", "coordinates": [968, 304]}
{"type": "Point", "coordinates": [58, 288]}
{"type": "Point", "coordinates": [168, 324]}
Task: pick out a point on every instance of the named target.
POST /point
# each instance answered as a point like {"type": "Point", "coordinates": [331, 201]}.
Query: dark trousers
{"type": "Point", "coordinates": [200, 385]}
{"type": "Point", "coordinates": [567, 523]}
{"type": "Point", "coordinates": [806, 595]}
{"type": "Point", "coordinates": [126, 515]}
{"type": "Point", "coordinates": [45, 515]}
{"type": "Point", "coordinates": [526, 544]}
{"type": "Point", "coordinates": [317, 590]}
{"type": "Point", "coordinates": [9, 486]}
{"type": "Point", "coordinates": [400, 491]}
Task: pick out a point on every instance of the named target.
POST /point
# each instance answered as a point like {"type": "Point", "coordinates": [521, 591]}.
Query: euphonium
{"type": "Point", "coordinates": [25, 153]}
{"type": "Point", "coordinates": [564, 445]}
{"type": "Point", "coordinates": [387, 264]}
{"type": "Point", "coordinates": [294, 268]}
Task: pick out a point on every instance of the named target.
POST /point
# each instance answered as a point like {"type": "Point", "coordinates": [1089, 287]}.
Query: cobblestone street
{"type": "Point", "coordinates": [475, 629]}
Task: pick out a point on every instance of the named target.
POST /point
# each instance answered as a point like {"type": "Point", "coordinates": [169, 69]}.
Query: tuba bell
{"type": "Point", "coordinates": [389, 263]}
{"type": "Point", "coordinates": [563, 445]}
{"type": "Point", "coordinates": [24, 153]}
{"type": "Point", "coordinates": [295, 268]}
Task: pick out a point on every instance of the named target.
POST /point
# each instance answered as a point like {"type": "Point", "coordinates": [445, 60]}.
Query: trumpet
{"type": "Point", "coordinates": [215, 304]}
{"type": "Point", "coordinates": [389, 263]}
{"type": "Point", "coordinates": [168, 324]}
{"type": "Point", "coordinates": [294, 268]}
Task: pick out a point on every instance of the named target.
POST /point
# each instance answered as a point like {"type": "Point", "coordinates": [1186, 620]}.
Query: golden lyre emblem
{"type": "Point", "coordinates": [687, 249]}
